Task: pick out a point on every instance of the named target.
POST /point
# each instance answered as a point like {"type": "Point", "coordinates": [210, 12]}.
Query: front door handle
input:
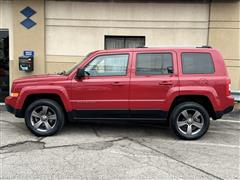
{"type": "Point", "coordinates": [117, 84]}
{"type": "Point", "coordinates": [165, 83]}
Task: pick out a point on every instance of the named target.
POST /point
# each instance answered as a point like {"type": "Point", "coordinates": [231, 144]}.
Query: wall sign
{"type": "Point", "coordinates": [26, 61]}
{"type": "Point", "coordinates": [28, 12]}
{"type": "Point", "coordinates": [28, 53]}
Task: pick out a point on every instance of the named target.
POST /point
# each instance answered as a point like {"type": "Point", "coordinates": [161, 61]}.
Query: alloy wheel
{"type": "Point", "coordinates": [43, 118]}
{"type": "Point", "coordinates": [190, 122]}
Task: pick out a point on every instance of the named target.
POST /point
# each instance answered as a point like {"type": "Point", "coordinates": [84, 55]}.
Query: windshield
{"type": "Point", "coordinates": [69, 71]}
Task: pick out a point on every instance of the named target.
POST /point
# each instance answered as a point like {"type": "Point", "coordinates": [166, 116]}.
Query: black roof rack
{"type": "Point", "coordinates": [205, 46]}
{"type": "Point", "coordinates": [141, 47]}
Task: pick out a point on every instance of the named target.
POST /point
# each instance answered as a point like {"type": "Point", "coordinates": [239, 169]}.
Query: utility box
{"type": "Point", "coordinates": [26, 63]}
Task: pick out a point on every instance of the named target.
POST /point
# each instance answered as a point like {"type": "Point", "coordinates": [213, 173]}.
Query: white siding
{"type": "Point", "coordinates": [76, 28]}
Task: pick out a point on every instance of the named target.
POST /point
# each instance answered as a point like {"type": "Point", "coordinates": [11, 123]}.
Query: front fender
{"type": "Point", "coordinates": [42, 89]}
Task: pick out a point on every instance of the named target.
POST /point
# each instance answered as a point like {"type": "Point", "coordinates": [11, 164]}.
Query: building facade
{"type": "Point", "coordinates": [61, 33]}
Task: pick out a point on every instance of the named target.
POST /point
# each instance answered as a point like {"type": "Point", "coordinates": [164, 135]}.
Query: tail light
{"type": "Point", "coordinates": [228, 87]}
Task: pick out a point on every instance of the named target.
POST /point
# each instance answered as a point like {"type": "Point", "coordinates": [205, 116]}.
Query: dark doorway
{"type": "Point", "coordinates": [4, 64]}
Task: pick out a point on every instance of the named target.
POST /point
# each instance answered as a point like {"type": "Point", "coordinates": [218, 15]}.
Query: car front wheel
{"type": "Point", "coordinates": [189, 120]}
{"type": "Point", "coordinates": [44, 117]}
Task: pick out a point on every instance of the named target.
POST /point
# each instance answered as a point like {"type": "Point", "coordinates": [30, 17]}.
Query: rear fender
{"type": "Point", "coordinates": [207, 91]}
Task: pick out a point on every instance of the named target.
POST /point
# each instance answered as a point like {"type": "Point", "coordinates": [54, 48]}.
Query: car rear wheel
{"type": "Point", "coordinates": [44, 117]}
{"type": "Point", "coordinates": [189, 120]}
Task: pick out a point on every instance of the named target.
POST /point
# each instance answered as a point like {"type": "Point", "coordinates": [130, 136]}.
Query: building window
{"type": "Point", "coordinates": [153, 63]}
{"type": "Point", "coordinates": [197, 63]}
{"type": "Point", "coordinates": [114, 42]}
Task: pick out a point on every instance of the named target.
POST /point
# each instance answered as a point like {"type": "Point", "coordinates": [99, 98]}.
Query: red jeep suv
{"type": "Point", "coordinates": [184, 86]}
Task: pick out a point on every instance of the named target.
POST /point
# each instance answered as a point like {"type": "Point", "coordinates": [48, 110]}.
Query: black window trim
{"type": "Point", "coordinates": [155, 52]}
{"type": "Point", "coordinates": [213, 65]}
{"type": "Point", "coordinates": [110, 54]}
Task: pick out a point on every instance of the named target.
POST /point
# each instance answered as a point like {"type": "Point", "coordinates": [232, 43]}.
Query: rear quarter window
{"type": "Point", "coordinates": [197, 63]}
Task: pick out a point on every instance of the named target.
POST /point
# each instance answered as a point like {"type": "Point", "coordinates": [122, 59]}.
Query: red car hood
{"type": "Point", "coordinates": [38, 78]}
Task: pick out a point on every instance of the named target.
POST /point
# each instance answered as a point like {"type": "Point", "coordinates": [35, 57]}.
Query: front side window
{"type": "Point", "coordinates": [197, 63]}
{"type": "Point", "coordinates": [108, 65]}
{"type": "Point", "coordinates": [154, 63]}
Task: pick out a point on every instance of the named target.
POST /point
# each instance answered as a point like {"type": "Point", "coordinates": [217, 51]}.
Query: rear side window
{"type": "Point", "coordinates": [154, 63]}
{"type": "Point", "coordinates": [197, 63]}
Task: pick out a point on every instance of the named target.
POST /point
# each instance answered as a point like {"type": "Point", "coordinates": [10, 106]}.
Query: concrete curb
{"type": "Point", "coordinates": [237, 106]}
{"type": "Point", "coordinates": [2, 107]}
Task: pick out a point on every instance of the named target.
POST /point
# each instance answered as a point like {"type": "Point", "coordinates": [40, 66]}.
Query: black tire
{"type": "Point", "coordinates": [53, 107]}
{"type": "Point", "coordinates": [179, 123]}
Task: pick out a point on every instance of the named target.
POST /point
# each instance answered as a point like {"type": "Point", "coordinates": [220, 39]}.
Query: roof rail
{"type": "Point", "coordinates": [141, 47]}
{"type": "Point", "coordinates": [204, 46]}
{"type": "Point", "coordinates": [176, 46]}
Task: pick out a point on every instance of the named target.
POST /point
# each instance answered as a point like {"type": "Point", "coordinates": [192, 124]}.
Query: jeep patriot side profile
{"type": "Point", "coordinates": [185, 86]}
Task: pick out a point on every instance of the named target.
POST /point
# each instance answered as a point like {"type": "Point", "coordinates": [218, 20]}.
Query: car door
{"type": "Point", "coordinates": [153, 79]}
{"type": "Point", "coordinates": [105, 91]}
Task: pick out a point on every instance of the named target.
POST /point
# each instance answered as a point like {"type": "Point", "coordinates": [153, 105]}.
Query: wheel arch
{"type": "Point", "coordinates": [33, 97]}
{"type": "Point", "coordinates": [200, 99]}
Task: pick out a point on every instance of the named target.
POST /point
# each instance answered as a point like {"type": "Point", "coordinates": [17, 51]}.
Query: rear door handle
{"type": "Point", "coordinates": [165, 83]}
{"type": "Point", "coordinates": [117, 84]}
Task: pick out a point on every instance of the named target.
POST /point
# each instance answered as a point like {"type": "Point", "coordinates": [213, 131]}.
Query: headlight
{"type": "Point", "coordinates": [14, 94]}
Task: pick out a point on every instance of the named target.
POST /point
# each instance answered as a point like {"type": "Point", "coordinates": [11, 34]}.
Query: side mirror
{"type": "Point", "coordinates": [170, 69]}
{"type": "Point", "coordinates": [80, 73]}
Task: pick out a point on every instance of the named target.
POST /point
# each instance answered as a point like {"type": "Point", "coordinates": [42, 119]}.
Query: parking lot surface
{"type": "Point", "coordinates": [119, 151]}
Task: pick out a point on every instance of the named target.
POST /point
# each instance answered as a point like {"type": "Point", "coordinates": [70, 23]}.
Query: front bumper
{"type": "Point", "coordinates": [10, 103]}
{"type": "Point", "coordinates": [10, 109]}
{"type": "Point", "coordinates": [16, 112]}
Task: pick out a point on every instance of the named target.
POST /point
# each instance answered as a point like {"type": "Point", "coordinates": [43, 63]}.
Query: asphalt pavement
{"type": "Point", "coordinates": [119, 151]}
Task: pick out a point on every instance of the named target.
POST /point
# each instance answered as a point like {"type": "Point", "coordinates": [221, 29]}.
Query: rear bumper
{"type": "Point", "coordinates": [219, 114]}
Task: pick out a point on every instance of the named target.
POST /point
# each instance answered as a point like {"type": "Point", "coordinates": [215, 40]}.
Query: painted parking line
{"type": "Point", "coordinates": [212, 144]}
{"type": "Point", "coordinates": [225, 120]}
{"type": "Point", "coordinates": [223, 132]}
{"type": "Point", "coordinates": [202, 144]}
